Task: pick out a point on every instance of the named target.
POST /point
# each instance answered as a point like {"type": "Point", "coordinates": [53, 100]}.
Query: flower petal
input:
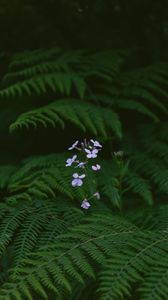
{"type": "Point", "coordinates": [94, 151]}
{"type": "Point", "coordinates": [85, 204]}
{"type": "Point", "coordinates": [81, 165]}
{"type": "Point", "coordinates": [80, 182]}
{"type": "Point", "coordinates": [82, 176]}
{"type": "Point", "coordinates": [74, 157]}
{"type": "Point", "coordinates": [75, 175]}
{"type": "Point", "coordinates": [73, 145]}
{"type": "Point", "coordinates": [75, 182]}
{"type": "Point", "coordinates": [87, 151]}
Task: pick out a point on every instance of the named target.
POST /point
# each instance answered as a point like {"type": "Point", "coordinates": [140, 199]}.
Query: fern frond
{"type": "Point", "coordinates": [128, 266]}
{"type": "Point", "coordinates": [10, 223]}
{"type": "Point", "coordinates": [32, 57]}
{"type": "Point", "coordinates": [45, 177]}
{"type": "Point", "coordinates": [84, 115]}
{"type": "Point", "coordinates": [83, 246]}
{"type": "Point", "coordinates": [104, 64]}
{"type": "Point", "coordinates": [138, 185]}
{"type": "Point", "coordinates": [147, 96]}
{"type": "Point", "coordinates": [148, 154]}
{"type": "Point", "coordinates": [40, 84]}
{"type": "Point", "coordinates": [41, 63]}
{"type": "Point", "coordinates": [27, 237]}
{"type": "Point", "coordinates": [147, 84]}
{"type": "Point", "coordinates": [143, 90]}
{"type": "Point", "coordinates": [155, 285]}
{"type": "Point", "coordinates": [119, 104]}
{"type": "Point", "coordinates": [5, 174]}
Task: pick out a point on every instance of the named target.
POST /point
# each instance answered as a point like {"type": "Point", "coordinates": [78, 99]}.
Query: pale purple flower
{"type": "Point", "coordinates": [97, 195]}
{"type": "Point", "coordinates": [91, 150]}
{"type": "Point", "coordinates": [85, 204]}
{"type": "Point", "coordinates": [81, 165]}
{"type": "Point", "coordinates": [77, 181]}
{"type": "Point", "coordinates": [91, 153]}
{"type": "Point", "coordinates": [73, 145]}
{"type": "Point", "coordinates": [70, 161]}
{"type": "Point", "coordinates": [96, 143]}
{"type": "Point", "coordinates": [96, 167]}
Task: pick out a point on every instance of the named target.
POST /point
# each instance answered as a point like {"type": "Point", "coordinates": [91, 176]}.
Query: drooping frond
{"type": "Point", "coordinates": [32, 57]}
{"type": "Point", "coordinates": [143, 90]}
{"type": "Point", "coordinates": [38, 85]}
{"type": "Point", "coordinates": [99, 121]}
{"type": "Point", "coordinates": [149, 159]}
{"type": "Point", "coordinates": [139, 186]}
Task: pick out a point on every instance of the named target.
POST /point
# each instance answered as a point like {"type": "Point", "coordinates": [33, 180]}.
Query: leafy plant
{"type": "Point", "coordinates": [50, 248]}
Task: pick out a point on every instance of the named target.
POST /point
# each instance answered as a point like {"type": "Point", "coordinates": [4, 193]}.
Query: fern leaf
{"type": "Point", "coordinates": [85, 116]}
{"type": "Point", "coordinates": [56, 82]}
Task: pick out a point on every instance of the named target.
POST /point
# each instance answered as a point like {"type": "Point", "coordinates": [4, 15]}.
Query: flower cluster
{"type": "Point", "coordinates": [89, 150]}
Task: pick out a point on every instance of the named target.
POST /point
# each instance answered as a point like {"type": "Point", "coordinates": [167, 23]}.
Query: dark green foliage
{"type": "Point", "coordinates": [76, 251]}
{"type": "Point", "coordinates": [50, 248]}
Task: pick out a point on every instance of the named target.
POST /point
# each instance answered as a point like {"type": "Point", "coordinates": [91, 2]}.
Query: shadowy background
{"type": "Point", "coordinates": [73, 24]}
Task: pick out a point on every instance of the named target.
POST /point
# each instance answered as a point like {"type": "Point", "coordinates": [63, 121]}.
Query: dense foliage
{"type": "Point", "coordinates": [59, 84]}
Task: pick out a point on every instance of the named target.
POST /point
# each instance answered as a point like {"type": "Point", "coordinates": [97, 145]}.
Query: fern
{"type": "Point", "coordinates": [63, 255]}
{"type": "Point", "coordinates": [59, 73]}
{"type": "Point", "coordinates": [121, 251]}
{"type": "Point", "coordinates": [49, 247]}
{"type": "Point", "coordinates": [55, 60]}
{"type": "Point", "coordinates": [26, 239]}
{"type": "Point", "coordinates": [127, 268]}
{"type": "Point", "coordinates": [149, 156]}
{"type": "Point", "coordinates": [85, 116]}
{"type": "Point", "coordinates": [32, 57]}
{"type": "Point", "coordinates": [10, 223]}
{"type": "Point", "coordinates": [122, 105]}
{"type": "Point", "coordinates": [142, 90]}
{"type": "Point", "coordinates": [42, 183]}
{"type": "Point", "coordinates": [139, 186]}
{"type": "Point", "coordinates": [40, 84]}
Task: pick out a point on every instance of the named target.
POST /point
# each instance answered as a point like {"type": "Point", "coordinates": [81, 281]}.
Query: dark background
{"type": "Point", "coordinates": [85, 24]}
{"type": "Point", "coordinates": [93, 25]}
